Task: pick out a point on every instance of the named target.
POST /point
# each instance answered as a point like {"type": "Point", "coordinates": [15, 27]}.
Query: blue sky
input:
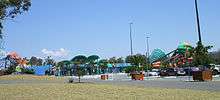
{"type": "Point", "coordinates": [102, 26]}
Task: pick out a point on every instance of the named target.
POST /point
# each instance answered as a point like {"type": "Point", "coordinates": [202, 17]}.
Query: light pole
{"type": "Point", "coordinates": [148, 49]}
{"type": "Point", "coordinates": [148, 53]}
{"type": "Point", "coordinates": [130, 24]}
{"type": "Point", "coordinates": [198, 22]}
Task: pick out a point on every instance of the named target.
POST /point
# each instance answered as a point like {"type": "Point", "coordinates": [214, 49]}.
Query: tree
{"type": "Point", "coordinates": [112, 60]}
{"type": "Point", "coordinates": [11, 8]}
{"type": "Point", "coordinates": [80, 60]}
{"type": "Point", "coordinates": [215, 56]}
{"type": "Point", "coordinates": [103, 64]}
{"type": "Point", "coordinates": [93, 59]}
{"type": "Point", "coordinates": [136, 60]}
{"type": "Point", "coordinates": [35, 61]}
{"type": "Point", "coordinates": [120, 60]}
{"type": "Point", "coordinates": [201, 55]}
{"type": "Point", "coordinates": [64, 66]}
{"type": "Point", "coordinates": [49, 61]}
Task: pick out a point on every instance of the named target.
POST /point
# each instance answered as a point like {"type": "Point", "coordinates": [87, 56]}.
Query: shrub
{"type": "Point", "coordinates": [132, 68]}
{"type": "Point", "coordinates": [27, 71]}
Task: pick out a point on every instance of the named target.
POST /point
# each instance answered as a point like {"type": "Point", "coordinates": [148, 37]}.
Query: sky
{"type": "Point", "coordinates": [66, 28]}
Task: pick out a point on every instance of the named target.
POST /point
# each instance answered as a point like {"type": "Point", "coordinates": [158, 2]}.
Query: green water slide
{"type": "Point", "coordinates": [158, 54]}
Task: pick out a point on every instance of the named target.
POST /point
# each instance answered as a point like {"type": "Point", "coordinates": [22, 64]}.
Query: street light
{"type": "Point", "coordinates": [130, 24]}
{"type": "Point", "coordinates": [198, 23]}
{"type": "Point", "coordinates": [148, 53]}
{"type": "Point", "coordinates": [148, 48]}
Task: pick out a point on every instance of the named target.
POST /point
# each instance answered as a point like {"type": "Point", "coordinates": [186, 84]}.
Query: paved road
{"type": "Point", "coordinates": [209, 86]}
{"type": "Point", "coordinates": [183, 82]}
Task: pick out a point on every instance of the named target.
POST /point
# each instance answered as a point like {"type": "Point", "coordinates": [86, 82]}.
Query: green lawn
{"type": "Point", "coordinates": [91, 91]}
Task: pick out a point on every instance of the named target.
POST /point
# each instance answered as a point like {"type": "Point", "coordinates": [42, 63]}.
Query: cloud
{"type": "Point", "coordinates": [55, 53]}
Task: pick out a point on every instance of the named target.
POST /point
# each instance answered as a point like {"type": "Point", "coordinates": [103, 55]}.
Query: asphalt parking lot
{"type": "Point", "coordinates": [179, 82]}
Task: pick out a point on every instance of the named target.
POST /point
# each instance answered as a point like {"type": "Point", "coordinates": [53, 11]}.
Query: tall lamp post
{"type": "Point", "coordinates": [130, 25]}
{"type": "Point", "coordinates": [199, 32]}
{"type": "Point", "coordinates": [148, 53]}
{"type": "Point", "coordinates": [198, 22]}
{"type": "Point", "coordinates": [148, 49]}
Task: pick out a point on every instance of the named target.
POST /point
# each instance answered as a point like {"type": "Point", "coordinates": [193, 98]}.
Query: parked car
{"type": "Point", "coordinates": [190, 70]}
{"type": "Point", "coordinates": [168, 72]}
{"type": "Point", "coordinates": [215, 69]}
{"type": "Point", "coordinates": [154, 72]}
{"type": "Point", "coordinates": [180, 72]}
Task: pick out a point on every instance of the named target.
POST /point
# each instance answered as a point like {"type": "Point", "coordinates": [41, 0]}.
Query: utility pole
{"type": "Point", "coordinates": [148, 53]}
{"type": "Point", "coordinates": [198, 22]}
{"type": "Point", "coordinates": [130, 24]}
{"type": "Point", "coordinates": [148, 48]}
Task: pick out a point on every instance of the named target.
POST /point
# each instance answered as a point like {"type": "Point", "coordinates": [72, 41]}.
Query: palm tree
{"type": "Point", "coordinates": [80, 60]}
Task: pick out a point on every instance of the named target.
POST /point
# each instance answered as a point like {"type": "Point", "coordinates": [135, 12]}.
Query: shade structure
{"type": "Point", "coordinates": [40, 70]}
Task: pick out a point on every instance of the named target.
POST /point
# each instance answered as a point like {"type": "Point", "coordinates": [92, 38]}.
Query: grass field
{"type": "Point", "coordinates": [92, 91]}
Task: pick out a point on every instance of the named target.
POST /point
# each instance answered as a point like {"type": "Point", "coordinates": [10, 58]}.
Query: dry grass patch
{"type": "Point", "coordinates": [89, 91]}
{"type": "Point", "coordinates": [29, 77]}
{"type": "Point", "coordinates": [86, 91]}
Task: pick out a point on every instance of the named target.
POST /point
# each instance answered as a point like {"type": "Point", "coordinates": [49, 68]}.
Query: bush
{"type": "Point", "coordinates": [132, 68]}
{"type": "Point", "coordinates": [27, 71]}
{"type": "Point", "coordinates": [10, 70]}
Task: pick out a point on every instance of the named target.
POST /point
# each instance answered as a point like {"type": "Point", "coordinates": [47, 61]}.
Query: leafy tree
{"type": "Point", "coordinates": [201, 55]}
{"type": "Point", "coordinates": [93, 58]}
{"type": "Point", "coordinates": [40, 62]}
{"type": "Point", "coordinates": [60, 64]}
{"type": "Point", "coordinates": [64, 66]}
{"type": "Point", "coordinates": [112, 60]}
{"type": "Point", "coordinates": [215, 56]}
{"type": "Point", "coordinates": [11, 8]}
{"type": "Point", "coordinates": [92, 61]}
{"type": "Point", "coordinates": [120, 60]}
{"type": "Point", "coordinates": [130, 69]}
{"type": "Point", "coordinates": [49, 61]}
{"type": "Point", "coordinates": [103, 64]}
{"type": "Point", "coordinates": [136, 59]}
{"type": "Point", "coordinates": [79, 61]}
{"type": "Point", "coordinates": [35, 61]}
{"type": "Point", "coordinates": [12, 64]}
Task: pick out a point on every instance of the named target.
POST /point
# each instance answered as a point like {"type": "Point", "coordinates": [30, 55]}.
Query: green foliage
{"type": "Point", "coordinates": [93, 58]}
{"type": "Point", "coordinates": [34, 61]}
{"type": "Point", "coordinates": [201, 55]}
{"type": "Point", "coordinates": [27, 71]}
{"type": "Point", "coordinates": [49, 61]}
{"type": "Point", "coordinates": [80, 72]}
{"type": "Point", "coordinates": [80, 59]}
{"type": "Point", "coordinates": [136, 60]}
{"type": "Point", "coordinates": [10, 69]}
{"type": "Point", "coordinates": [103, 64]}
{"type": "Point", "coordinates": [64, 64]}
{"type": "Point", "coordinates": [11, 8]}
{"type": "Point", "coordinates": [215, 56]}
{"type": "Point", "coordinates": [120, 60]}
{"type": "Point", "coordinates": [112, 60]}
{"type": "Point", "coordinates": [132, 68]}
